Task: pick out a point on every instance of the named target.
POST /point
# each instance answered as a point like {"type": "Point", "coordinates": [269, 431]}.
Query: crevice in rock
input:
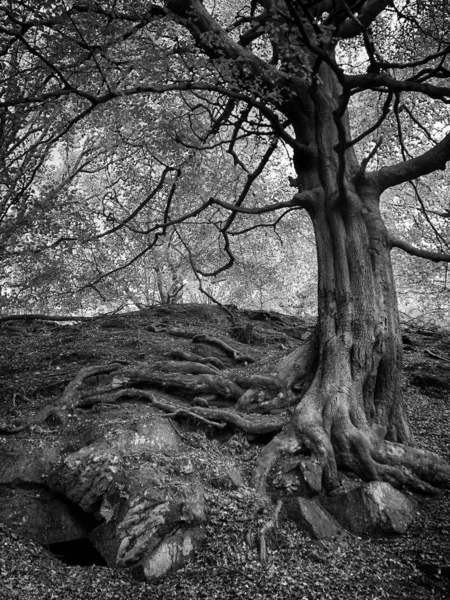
{"type": "Point", "coordinates": [79, 552]}
{"type": "Point", "coordinates": [260, 439]}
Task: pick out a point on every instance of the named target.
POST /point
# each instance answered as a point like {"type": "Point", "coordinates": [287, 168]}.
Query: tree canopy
{"type": "Point", "coordinates": [128, 118]}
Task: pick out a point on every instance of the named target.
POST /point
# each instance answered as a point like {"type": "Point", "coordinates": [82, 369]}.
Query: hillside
{"type": "Point", "coordinates": [39, 359]}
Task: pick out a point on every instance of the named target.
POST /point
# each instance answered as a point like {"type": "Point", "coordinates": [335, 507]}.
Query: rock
{"type": "Point", "coordinates": [152, 435]}
{"type": "Point", "coordinates": [371, 508]}
{"type": "Point", "coordinates": [104, 540]}
{"type": "Point", "coordinates": [152, 511]}
{"type": "Point", "coordinates": [140, 511]}
{"type": "Point", "coordinates": [85, 476]}
{"type": "Point", "coordinates": [235, 477]}
{"type": "Point", "coordinates": [133, 492]}
{"type": "Point", "coordinates": [232, 479]}
{"type": "Point", "coordinates": [171, 554]}
{"type": "Point", "coordinates": [313, 519]}
{"type": "Point", "coordinates": [311, 470]}
{"type": "Point", "coordinates": [40, 516]}
{"type": "Point", "coordinates": [22, 466]}
{"type": "Point", "coordinates": [28, 506]}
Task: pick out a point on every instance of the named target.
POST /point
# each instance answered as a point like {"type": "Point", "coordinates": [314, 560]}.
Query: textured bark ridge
{"type": "Point", "coordinates": [350, 414]}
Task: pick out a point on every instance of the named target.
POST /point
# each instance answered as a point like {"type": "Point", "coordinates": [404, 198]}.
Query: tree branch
{"type": "Point", "coordinates": [420, 252]}
{"type": "Point", "coordinates": [435, 158]}
{"type": "Point", "coordinates": [370, 10]}
{"type": "Point", "coordinates": [374, 81]}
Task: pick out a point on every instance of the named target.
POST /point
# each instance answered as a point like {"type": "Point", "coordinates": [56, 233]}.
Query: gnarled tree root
{"type": "Point", "coordinates": [129, 380]}
{"type": "Point", "coordinates": [212, 341]}
{"type": "Point", "coordinates": [353, 449]}
{"type": "Point", "coordinates": [68, 401]}
{"type": "Point", "coordinates": [212, 416]}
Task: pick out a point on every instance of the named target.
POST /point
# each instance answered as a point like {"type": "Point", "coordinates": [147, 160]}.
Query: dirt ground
{"type": "Point", "coordinates": [42, 357]}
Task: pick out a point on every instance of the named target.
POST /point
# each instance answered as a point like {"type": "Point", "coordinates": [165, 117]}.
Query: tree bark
{"type": "Point", "coordinates": [352, 416]}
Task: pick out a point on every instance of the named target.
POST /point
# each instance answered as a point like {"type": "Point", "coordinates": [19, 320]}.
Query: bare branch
{"type": "Point", "coordinates": [435, 158]}
{"type": "Point", "coordinates": [420, 252]}
{"type": "Point", "coordinates": [384, 81]}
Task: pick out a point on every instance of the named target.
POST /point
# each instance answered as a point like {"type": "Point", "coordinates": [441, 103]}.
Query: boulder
{"type": "Point", "coordinates": [138, 504]}
{"type": "Point", "coordinates": [154, 508]}
{"type": "Point", "coordinates": [20, 466]}
{"type": "Point", "coordinates": [152, 435]}
{"type": "Point", "coordinates": [312, 518]}
{"type": "Point", "coordinates": [171, 554]}
{"type": "Point", "coordinates": [131, 490]}
{"type": "Point", "coordinates": [85, 476]}
{"type": "Point", "coordinates": [371, 508]}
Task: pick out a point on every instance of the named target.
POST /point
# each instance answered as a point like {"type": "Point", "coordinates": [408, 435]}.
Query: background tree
{"type": "Point", "coordinates": [184, 79]}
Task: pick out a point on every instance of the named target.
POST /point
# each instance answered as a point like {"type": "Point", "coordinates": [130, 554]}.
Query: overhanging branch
{"type": "Point", "coordinates": [420, 252]}
{"type": "Point", "coordinates": [432, 160]}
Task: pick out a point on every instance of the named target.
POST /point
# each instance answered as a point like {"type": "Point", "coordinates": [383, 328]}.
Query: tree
{"type": "Point", "coordinates": [251, 80]}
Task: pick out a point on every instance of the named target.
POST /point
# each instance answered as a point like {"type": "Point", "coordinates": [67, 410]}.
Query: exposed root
{"type": "Point", "coordinates": [183, 383]}
{"type": "Point", "coordinates": [212, 416]}
{"type": "Point", "coordinates": [297, 369]}
{"type": "Point", "coordinates": [357, 450]}
{"type": "Point", "coordinates": [415, 468]}
{"type": "Point", "coordinates": [126, 381]}
{"type": "Point", "coordinates": [266, 529]}
{"type": "Point", "coordinates": [190, 367]}
{"type": "Point", "coordinates": [66, 403]}
{"type": "Point", "coordinates": [189, 356]}
{"type": "Point", "coordinates": [184, 412]}
{"type": "Point", "coordinates": [212, 341]}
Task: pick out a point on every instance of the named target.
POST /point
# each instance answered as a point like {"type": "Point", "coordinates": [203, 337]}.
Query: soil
{"type": "Point", "coordinates": [38, 359]}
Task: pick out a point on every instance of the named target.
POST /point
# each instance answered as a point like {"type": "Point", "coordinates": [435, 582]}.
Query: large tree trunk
{"type": "Point", "coordinates": [352, 415]}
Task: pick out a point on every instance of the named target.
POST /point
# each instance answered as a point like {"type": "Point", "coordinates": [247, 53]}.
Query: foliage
{"type": "Point", "coordinates": [124, 118]}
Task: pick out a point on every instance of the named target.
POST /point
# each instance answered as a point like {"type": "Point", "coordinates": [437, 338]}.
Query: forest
{"type": "Point", "coordinates": [273, 161]}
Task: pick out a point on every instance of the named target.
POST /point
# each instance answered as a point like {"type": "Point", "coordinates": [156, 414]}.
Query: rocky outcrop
{"type": "Point", "coordinates": [26, 503]}
{"type": "Point", "coordinates": [142, 510]}
{"type": "Point", "coordinates": [132, 491]}
{"type": "Point", "coordinates": [85, 476]}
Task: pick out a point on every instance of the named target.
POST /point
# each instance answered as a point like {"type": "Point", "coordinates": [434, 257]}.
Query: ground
{"type": "Point", "coordinates": [41, 358]}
